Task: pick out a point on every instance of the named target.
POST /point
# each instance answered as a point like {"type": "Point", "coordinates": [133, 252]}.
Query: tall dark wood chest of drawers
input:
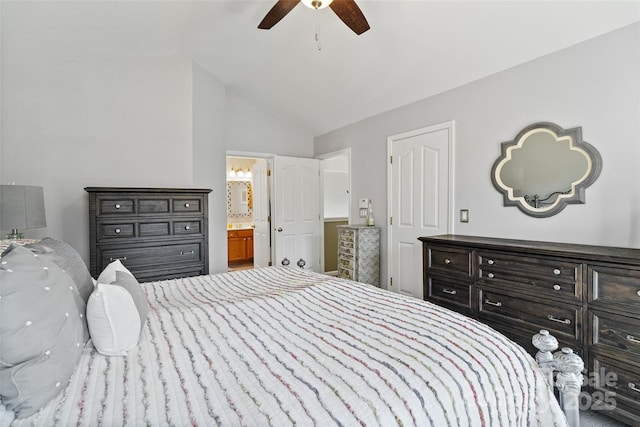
{"type": "Point", "coordinates": [587, 296]}
{"type": "Point", "coordinates": [157, 233]}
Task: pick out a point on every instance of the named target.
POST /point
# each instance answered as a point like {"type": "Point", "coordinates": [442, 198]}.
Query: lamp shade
{"type": "Point", "coordinates": [21, 206]}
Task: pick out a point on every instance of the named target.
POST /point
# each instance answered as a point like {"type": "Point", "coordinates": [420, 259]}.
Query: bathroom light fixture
{"type": "Point", "coordinates": [232, 173]}
{"type": "Point", "coordinates": [248, 173]}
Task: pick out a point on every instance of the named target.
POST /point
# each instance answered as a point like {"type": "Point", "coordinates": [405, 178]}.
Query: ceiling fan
{"type": "Point", "coordinates": [347, 10]}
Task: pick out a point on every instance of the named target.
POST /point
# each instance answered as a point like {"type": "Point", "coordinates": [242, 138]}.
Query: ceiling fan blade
{"type": "Point", "coordinates": [277, 12]}
{"type": "Point", "coordinates": [349, 12]}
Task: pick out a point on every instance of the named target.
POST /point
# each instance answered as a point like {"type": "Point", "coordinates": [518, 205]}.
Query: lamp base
{"type": "Point", "coordinates": [15, 235]}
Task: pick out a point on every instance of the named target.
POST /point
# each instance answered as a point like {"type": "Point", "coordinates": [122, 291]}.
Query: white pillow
{"type": "Point", "coordinates": [108, 275]}
{"type": "Point", "coordinates": [116, 314]}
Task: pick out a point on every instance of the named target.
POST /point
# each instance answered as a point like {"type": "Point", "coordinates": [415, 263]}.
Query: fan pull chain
{"type": "Point", "coordinates": [318, 31]}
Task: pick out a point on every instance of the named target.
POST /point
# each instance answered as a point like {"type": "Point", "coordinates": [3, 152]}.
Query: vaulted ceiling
{"type": "Point", "coordinates": [413, 50]}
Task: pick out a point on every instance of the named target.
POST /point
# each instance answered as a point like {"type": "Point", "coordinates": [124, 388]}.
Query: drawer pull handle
{"type": "Point", "coordinates": [186, 227]}
{"type": "Point", "coordinates": [557, 287]}
{"type": "Point", "coordinates": [491, 275]}
{"type": "Point", "coordinates": [633, 387]}
{"type": "Point", "coordinates": [117, 205]}
{"type": "Point", "coordinates": [495, 304]}
{"type": "Point", "coordinates": [186, 205]}
{"type": "Point", "coordinates": [118, 231]}
{"type": "Point", "coordinates": [124, 258]}
{"type": "Point", "coordinates": [187, 253]}
{"type": "Point", "coordinates": [491, 262]}
{"type": "Point", "coordinates": [450, 291]}
{"type": "Point", "coordinates": [555, 319]}
{"type": "Point", "coordinates": [556, 271]}
{"type": "Point", "coordinates": [633, 339]}
{"type": "Point", "coordinates": [447, 261]}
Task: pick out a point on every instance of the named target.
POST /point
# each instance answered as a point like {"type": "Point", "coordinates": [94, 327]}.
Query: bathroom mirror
{"type": "Point", "coordinates": [239, 199]}
{"type": "Point", "coordinates": [545, 168]}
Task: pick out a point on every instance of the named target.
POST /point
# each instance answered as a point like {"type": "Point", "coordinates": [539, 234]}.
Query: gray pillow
{"type": "Point", "coordinates": [43, 330]}
{"type": "Point", "coordinates": [68, 259]}
{"type": "Point", "coordinates": [132, 286]}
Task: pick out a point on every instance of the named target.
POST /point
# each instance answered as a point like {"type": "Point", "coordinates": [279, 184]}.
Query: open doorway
{"type": "Point", "coordinates": [279, 221]}
{"type": "Point", "coordinates": [240, 213]}
{"type": "Point", "coordinates": [336, 200]}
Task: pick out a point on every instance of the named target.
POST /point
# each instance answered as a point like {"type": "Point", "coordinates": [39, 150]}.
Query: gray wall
{"type": "Point", "coordinates": [251, 130]}
{"type": "Point", "coordinates": [209, 118]}
{"type": "Point", "coordinates": [594, 85]}
{"type": "Point", "coordinates": [145, 122]}
{"type": "Point", "coordinates": [68, 125]}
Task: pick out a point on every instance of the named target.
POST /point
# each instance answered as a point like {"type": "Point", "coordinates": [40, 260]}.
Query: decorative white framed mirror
{"type": "Point", "coordinates": [239, 199]}
{"type": "Point", "coordinates": [545, 168]}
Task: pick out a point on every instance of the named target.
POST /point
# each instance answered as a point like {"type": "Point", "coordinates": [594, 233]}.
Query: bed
{"type": "Point", "coordinates": [280, 346]}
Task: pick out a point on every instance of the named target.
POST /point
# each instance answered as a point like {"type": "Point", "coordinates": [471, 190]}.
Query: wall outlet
{"type": "Point", "coordinates": [464, 215]}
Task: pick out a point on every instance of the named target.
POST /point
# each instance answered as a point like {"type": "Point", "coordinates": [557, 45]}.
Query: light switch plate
{"type": "Point", "coordinates": [363, 203]}
{"type": "Point", "coordinates": [464, 215]}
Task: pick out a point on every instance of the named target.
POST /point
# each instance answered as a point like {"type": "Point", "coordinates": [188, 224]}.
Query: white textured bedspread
{"type": "Point", "coordinates": [280, 346]}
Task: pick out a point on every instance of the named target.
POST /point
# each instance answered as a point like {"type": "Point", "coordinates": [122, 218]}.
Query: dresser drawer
{"type": "Point", "coordinates": [116, 206]}
{"type": "Point", "coordinates": [346, 245]}
{"type": "Point", "coordinates": [345, 252]}
{"type": "Point", "coordinates": [544, 277]}
{"type": "Point", "coordinates": [159, 255]}
{"type": "Point", "coordinates": [618, 334]}
{"type": "Point", "coordinates": [450, 261]}
{"type": "Point", "coordinates": [345, 273]}
{"type": "Point", "coordinates": [158, 228]}
{"type": "Point", "coordinates": [346, 263]}
{"type": "Point", "coordinates": [446, 293]}
{"type": "Point", "coordinates": [175, 272]}
{"type": "Point", "coordinates": [535, 315]}
{"type": "Point", "coordinates": [120, 230]}
{"type": "Point", "coordinates": [187, 205]}
{"type": "Point", "coordinates": [529, 266]}
{"type": "Point", "coordinates": [346, 235]}
{"type": "Point", "coordinates": [187, 227]}
{"type": "Point", "coordinates": [618, 380]}
{"type": "Point", "coordinates": [148, 206]}
{"type": "Point", "coordinates": [617, 286]}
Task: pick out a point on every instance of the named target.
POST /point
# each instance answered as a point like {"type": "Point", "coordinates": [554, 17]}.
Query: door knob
{"type": "Point", "coordinates": [279, 229]}
{"type": "Point", "coordinates": [285, 262]}
{"type": "Point", "coordinates": [301, 263]}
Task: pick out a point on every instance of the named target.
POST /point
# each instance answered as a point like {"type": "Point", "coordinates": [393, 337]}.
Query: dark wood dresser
{"type": "Point", "coordinates": [587, 296]}
{"type": "Point", "coordinates": [157, 233]}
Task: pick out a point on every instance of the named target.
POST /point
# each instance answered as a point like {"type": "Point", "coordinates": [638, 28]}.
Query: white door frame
{"type": "Point", "coordinates": [343, 152]}
{"type": "Point", "coordinates": [450, 125]}
{"type": "Point", "coordinates": [250, 155]}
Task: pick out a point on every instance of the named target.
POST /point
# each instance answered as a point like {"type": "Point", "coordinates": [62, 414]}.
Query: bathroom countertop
{"type": "Point", "coordinates": [240, 227]}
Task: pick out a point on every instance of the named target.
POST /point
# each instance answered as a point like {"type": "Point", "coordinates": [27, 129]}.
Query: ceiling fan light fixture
{"type": "Point", "coordinates": [316, 4]}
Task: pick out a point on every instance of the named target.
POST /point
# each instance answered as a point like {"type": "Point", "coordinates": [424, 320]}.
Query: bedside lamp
{"type": "Point", "coordinates": [21, 207]}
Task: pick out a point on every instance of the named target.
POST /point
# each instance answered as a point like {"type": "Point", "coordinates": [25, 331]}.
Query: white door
{"type": "Point", "coordinates": [261, 214]}
{"type": "Point", "coordinates": [296, 221]}
{"type": "Point", "coordinates": [420, 187]}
